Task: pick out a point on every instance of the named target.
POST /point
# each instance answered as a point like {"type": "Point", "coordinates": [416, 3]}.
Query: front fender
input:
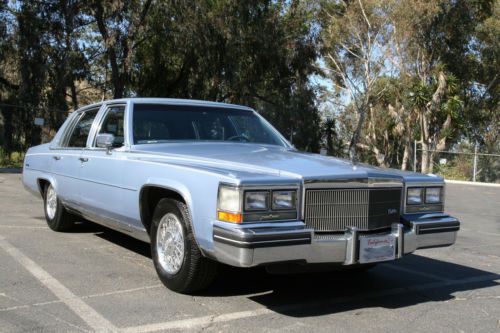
{"type": "Point", "coordinates": [172, 185]}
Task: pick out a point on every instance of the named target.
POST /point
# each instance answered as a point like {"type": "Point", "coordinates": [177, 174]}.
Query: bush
{"type": "Point", "coordinates": [12, 160]}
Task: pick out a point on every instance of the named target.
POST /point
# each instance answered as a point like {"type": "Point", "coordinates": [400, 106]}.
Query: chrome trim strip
{"type": "Point", "coordinates": [265, 243]}
{"type": "Point", "coordinates": [354, 182]}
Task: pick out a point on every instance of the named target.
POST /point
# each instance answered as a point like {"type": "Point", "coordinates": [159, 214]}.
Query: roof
{"type": "Point", "coordinates": [172, 101]}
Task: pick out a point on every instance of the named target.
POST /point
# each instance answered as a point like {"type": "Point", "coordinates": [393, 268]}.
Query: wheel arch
{"type": "Point", "coordinates": [151, 194]}
{"type": "Point", "coordinates": [44, 181]}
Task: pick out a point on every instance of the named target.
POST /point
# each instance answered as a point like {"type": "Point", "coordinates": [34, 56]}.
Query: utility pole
{"type": "Point", "coordinates": [415, 156]}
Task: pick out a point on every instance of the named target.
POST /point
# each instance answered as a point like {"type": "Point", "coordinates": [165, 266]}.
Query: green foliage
{"type": "Point", "coordinates": [259, 53]}
{"type": "Point", "coordinates": [382, 58]}
{"type": "Point", "coordinates": [216, 50]}
{"type": "Point", "coordinates": [456, 170]}
{"type": "Point", "coordinates": [11, 160]}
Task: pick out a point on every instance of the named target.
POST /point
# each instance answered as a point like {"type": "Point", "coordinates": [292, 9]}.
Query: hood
{"type": "Point", "coordinates": [278, 160]}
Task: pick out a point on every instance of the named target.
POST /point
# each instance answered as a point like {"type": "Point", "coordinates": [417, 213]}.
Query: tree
{"type": "Point", "coordinates": [354, 36]}
{"type": "Point", "coordinates": [216, 51]}
{"type": "Point", "coordinates": [433, 42]}
{"type": "Point", "coordinates": [121, 25]}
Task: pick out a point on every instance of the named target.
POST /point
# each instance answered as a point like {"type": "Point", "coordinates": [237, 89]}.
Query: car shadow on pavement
{"type": "Point", "coordinates": [411, 280]}
{"type": "Point", "coordinates": [113, 236]}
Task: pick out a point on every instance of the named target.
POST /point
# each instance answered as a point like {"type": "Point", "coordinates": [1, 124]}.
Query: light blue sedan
{"type": "Point", "coordinates": [208, 182]}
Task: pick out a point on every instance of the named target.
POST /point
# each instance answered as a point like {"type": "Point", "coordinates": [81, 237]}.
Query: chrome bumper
{"type": "Point", "coordinates": [247, 246]}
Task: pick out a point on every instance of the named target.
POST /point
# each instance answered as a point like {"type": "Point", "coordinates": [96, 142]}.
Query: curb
{"type": "Point", "coordinates": [462, 182]}
{"type": "Point", "coordinates": [11, 170]}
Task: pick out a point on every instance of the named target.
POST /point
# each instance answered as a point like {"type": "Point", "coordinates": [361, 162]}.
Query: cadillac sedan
{"type": "Point", "coordinates": [207, 183]}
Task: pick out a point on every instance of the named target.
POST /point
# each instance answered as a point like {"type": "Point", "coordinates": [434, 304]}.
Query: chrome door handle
{"type": "Point", "coordinates": [84, 159]}
{"type": "Point", "coordinates": [57, 158]}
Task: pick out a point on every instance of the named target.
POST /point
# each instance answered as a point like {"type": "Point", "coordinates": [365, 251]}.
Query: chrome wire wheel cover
{"type": "Point", "coordinates": [51, 202]}
{"type": "Point", "coordinates": [170, 243]}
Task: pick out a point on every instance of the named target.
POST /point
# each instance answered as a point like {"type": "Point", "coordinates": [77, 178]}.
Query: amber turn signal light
{"type": "Point", "coordinates": [229, 217]}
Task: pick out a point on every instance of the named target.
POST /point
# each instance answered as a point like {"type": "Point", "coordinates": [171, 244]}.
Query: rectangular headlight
{"type": "Point", "coordinates": [283, 200]}
{"type": "Point", "coordinates": [256, 201]}
{"type": "Point", "coordinates": [414, 196]}
{"type": "Point", "coordinates": [229, 199]}
{"type": "Point", "coordinates": [433, 195]}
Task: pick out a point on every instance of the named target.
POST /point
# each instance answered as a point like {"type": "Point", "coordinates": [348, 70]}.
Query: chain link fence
{"type": "Point", "coordinates": [463, 165]}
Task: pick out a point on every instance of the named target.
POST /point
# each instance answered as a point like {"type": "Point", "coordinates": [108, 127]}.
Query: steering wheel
{"type": "Point", "coordinates": [238, 137]}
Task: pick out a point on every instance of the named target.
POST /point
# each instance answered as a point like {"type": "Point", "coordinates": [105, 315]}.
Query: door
{"type": "Point", "coordinates": [65, 159]}
{"type": "Point", "coordinates": [103, 188]}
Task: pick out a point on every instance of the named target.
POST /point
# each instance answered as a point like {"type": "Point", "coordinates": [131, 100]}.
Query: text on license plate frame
{"type": "Point", "coordinates": [377, 248]}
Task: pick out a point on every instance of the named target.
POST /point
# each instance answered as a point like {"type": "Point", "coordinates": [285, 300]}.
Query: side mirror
{"type": "Point", "coordinates": [105, 140]}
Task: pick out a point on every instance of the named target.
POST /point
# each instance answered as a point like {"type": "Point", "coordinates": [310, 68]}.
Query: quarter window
{"type": "Point", "coordinates": [78, 137]}
{"type": "Point", "coordinates": [113, 124]}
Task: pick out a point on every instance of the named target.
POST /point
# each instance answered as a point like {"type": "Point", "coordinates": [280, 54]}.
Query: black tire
{"type": "Point", "coordinates": [196, 271]}
{"type": "Point", "coordinates": [62, 220]}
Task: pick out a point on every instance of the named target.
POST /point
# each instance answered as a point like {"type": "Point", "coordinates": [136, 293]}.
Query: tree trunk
{"type": "Point", "coordinates": [424, 129]}
{"type": "Point", "coordinates": [430, 169]}
{"type": "Point", "coordinates": [357, 134]}
{"type": "Point", "coordinates": [431, 108]}
{"type": "Point", "coordinates": [8, 129]}
{"type": "Point", "coordinates": [425, 157]}
{"type": "Point", "coordinates": [406, 156]}
{"type": "Point", "coordinates": [74, 95]}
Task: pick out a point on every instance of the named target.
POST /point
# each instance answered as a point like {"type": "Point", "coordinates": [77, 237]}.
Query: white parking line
{"type": "Point", "coordinates": [22, 227]}
{"type": "Point", "coordinates": [79, 307]}
{"type": "Point", "coordinates": [124, 291]}
{"type": "Point", "coordinates": [207, 320]}
{"type": "Point", "coordinates": [110, 293]}
{"type": "Point", "coordinates": [196, 322]}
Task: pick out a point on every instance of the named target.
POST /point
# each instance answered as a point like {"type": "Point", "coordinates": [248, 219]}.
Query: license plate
{"type": "Point", "coordinates": [377, 248]}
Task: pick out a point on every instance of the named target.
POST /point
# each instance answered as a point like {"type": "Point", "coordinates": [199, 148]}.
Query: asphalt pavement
{"type": "Point", "coordinates": [96, 279]}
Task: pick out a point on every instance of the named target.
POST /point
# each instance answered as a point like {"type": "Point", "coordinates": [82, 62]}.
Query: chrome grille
{"type": "Point", "coordinates": [333, 210]}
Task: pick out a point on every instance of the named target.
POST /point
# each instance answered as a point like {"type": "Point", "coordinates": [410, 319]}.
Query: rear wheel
{"type": "Point", "coordinates": [176, 256]}
{"type": "Point", "coordinates": [58, 218]}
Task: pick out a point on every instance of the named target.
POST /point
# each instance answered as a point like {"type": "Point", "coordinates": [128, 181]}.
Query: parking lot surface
{"type": "Point", "coordinates": [95, 279]}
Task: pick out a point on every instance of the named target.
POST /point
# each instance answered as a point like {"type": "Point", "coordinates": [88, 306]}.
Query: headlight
{"type": "Point", "coordinates": [414, 196]}
{"type": "Point", "coordinates": [256, 201]}
{"type": "Point", "coordinates": [240, 205]}
{"type": "Point", "coordinates": [433, 195]}
{"type": "Point", "coordinates": [229, 199]}
{"type": "Point", "coordinates": [284, 200]}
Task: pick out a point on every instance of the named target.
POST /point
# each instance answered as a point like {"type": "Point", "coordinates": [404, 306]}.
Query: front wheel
{"type": "Point", "coordinates": [57, 217]}
{"type": "Point", "coordinates": [176, 256]}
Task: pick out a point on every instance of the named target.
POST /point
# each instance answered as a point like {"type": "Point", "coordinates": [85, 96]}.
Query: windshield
{"type": "Point", "coordinates": [158, 123]}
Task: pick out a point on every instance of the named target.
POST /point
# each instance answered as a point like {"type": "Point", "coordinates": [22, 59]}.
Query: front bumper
{"type": "Point", "coordinates": [247, 246]}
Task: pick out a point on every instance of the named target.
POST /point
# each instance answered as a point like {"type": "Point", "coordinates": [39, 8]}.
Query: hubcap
{"type": "Point", "coordinates": [170, 243]}
{"type": "Point", "coordinates": [51, 202]}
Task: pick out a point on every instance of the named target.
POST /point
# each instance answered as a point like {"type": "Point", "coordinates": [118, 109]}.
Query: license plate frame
{"type": "Point", "coordinates": [377, 248]}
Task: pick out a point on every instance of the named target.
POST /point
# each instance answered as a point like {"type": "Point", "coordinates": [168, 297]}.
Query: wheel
{"type": "Point", "coordinates": [176, 256]}
{"type": "Point", "coordinates": [58, 218]}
